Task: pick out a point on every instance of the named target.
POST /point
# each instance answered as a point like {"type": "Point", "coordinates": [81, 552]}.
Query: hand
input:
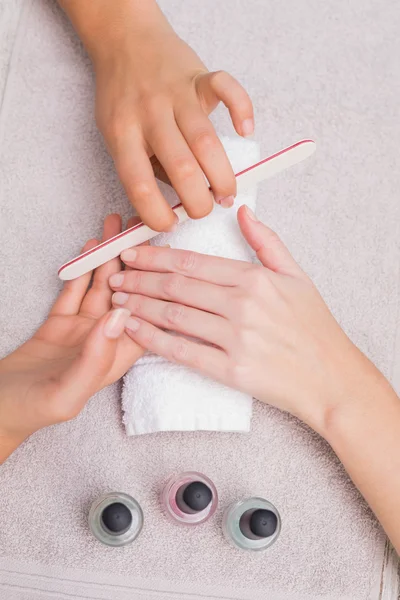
{"type": "Point", "coordinates": [80, 349]}
{"type": "Point", "coordinates": [265, 329]}
{"type": "Point", "coordinates": [153, 98]}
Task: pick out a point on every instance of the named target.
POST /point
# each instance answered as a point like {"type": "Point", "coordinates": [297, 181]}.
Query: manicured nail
{"type": "Point", "coordinates": [132, 324]}
{"type": "Point", "coordinates": [227, 202]}
{"type": "Point", "coordinates": [250, 213]}
{"type": "Point", "coordinates": [247, 128]}
{"type": "Point", "coordinates": [120, 298]}
{"type": "Point", "coordinates": [129, 255]}
{"type": "Point", "coordinates": [116, 322]}
{"type": "Point", "coordinates": [116, 280]}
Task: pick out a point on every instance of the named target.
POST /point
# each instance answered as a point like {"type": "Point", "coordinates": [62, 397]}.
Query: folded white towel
{"type": "Point", "coordinates": [161, 396]}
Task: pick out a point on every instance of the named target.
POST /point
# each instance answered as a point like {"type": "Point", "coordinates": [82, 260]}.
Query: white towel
{"type": "Point", "coordinates": [162, 396]}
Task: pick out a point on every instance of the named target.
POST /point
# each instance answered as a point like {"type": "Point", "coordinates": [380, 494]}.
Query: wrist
{"type": "Point", "coordinates": [345, 384]}
{"type": "Point", "coordinates": [13, 429]}
{"type": "Point", "coordinates": [8, 444]}
{"type": "Point", "coordinates": [107, 26]}
{"type": "Point", "coordinates": [360, 402]}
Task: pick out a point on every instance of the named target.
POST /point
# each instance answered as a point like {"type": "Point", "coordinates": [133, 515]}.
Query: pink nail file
{"type": "Point", "coordinates": [141, 233]}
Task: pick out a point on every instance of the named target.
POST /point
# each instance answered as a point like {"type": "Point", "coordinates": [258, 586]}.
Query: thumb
{"type": "Point", "coordinates": [221, 86]}
{"type": "Point", "coordinates": [270, 249]}
{"type": "Point", "coordinates": [88, 371]}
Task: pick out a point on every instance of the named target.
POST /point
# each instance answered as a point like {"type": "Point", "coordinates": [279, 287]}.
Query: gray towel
{"type": "Point", "coordinates": [328, 70]}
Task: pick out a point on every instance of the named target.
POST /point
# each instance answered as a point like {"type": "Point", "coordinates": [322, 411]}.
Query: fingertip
{"type": "Point", "coordinates": [112, 223]}
{"type": "Point", "coordinates": [115, 323]}
{"type": "Point", "coordinates": [132, 221]}
{"type": "Point", "coordinates": [161, 219]}
{"type": "Point", "coordinates": [202, 209]}
{"type": "Point", "coordinates": [90, 244]}
{"type": "Point", "coordinates": [246, 216]}
{"type": "Point", "coordinates": [231, 92]}
{"type": "Point", "coordinates": [116, 280]}
{"type": "Point", "coordinates": [251, 228]}
{"type": "Point", "coordinates": [249, 214]}
{"type": "Point", "coordinates": [113, 217]}
{"type": "Point", "coordinates": [247, 128]}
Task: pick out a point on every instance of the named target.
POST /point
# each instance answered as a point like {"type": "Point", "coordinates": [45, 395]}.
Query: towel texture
{"type": "Point", "coordinates": [161, 396]}
{"type": "Point", "coordinates": [327, 70]}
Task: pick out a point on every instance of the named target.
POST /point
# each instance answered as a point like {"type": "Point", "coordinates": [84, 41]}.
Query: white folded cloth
{"type": "Point", "coordinates": [161, 396]}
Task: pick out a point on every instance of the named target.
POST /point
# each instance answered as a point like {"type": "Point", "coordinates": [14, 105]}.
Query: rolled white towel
{"type": "Point", "coordinates": [161, 396]}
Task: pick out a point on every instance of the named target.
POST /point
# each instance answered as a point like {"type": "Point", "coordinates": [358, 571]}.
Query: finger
{"type": "Point", "coordinates": [173, 287]}
{"type": "Point", "coordinates": [112, 226]}
{"type": "Point", "coordinates": [270, 249]}
{"type": "Point", "coordinates": [212, 87]}
{"type": "Point", "coordinates": [131, 223]}
{"type": "Point", "coordinates": [98, 299]}
{"type": "Point", "coordinates": [213, 269]}
{"type": "Point", "coordinates": [70, 299]}
{"type": "Point", "coordinates": [209, 151]}
{"type": "Point", "coordinates": [181, 166]}
{"type": "Point", "coordinates": [136, 174]}
{"type": "Point", "coordinates": [212, 362]}
{"type": "Point", "coordinates": [178, 317]}
{"type": "Point", "coordinates": [89, 370]}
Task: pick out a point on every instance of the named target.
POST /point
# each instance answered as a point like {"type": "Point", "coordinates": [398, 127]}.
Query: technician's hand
{"type": "Point", "coordinates": [266, 329]}
{"type": "Point", "coordinates": [80, 349]}
{"type": "Point", "coordinates": [153, 98]}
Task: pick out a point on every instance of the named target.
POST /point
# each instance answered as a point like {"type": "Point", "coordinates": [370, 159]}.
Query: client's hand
{"type": "Point", "coordinates": [266, 329]}
{"type": "Point", "coordinates": [80, 349]}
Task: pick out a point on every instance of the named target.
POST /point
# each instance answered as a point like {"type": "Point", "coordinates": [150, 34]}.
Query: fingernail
{"type": "Point", "coordinates": [120, 298]}
{"type": "Point", "coordinates": [132, 324]}
{"type": "Point", "coordinates": [116, 280]}
{"type": "Point", "coordinates": [116, 322]}
{"type": "Point", "coordinates": [250, 213]}
{"type": "Point", "coordinates": [165, 246]}
{"type": "Point", "coordinates": [226, 202]}
{"type": "Point", "coordinates": [129, 255]}
{"type": "Point", "coordinates": [247, 127]}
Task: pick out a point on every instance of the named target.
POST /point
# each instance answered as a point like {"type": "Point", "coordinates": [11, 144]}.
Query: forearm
{"type": "Point", "coordinates": [102, 24]}
{"type": "Point", "coordinates": [10, 438]}
{"type": "Point", "coordinates": [365, 434]}
{"type": "Point", "coordinates": [7, 446]}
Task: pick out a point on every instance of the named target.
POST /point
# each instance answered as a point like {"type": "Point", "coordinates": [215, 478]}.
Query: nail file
{"type": "Point", "coordinates": [141, 233]}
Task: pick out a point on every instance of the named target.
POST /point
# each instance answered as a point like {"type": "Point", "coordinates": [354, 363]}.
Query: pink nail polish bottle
{"type": "Point", "coordinates": [189, 498]}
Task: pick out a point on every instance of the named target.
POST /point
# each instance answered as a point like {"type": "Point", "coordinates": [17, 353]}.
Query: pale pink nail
{"type": "Point", "coordinates": [132, 324]}
{"type": "Point", "coordinates": [116, 322]}
{"type": "Point", "coordinates": [250, 213]}
{"type": "Point", "coordinates": [129, 255]}
{"type": "Point", "coordinates": [120, 298]}
{"type": "Point", "coordinates": [247, 127]}
{"type": "Point", "coordinates": [227, 202]}
{"type": "Point", "coordinates": [116, 280]}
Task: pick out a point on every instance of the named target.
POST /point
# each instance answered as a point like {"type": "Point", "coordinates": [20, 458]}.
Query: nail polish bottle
{"type": "Point", "coordinates": [116, 519]}
{"type": "Point", "coordinates": [251, 524]}
{"type": "Point", "coordinates": [189, 498]}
